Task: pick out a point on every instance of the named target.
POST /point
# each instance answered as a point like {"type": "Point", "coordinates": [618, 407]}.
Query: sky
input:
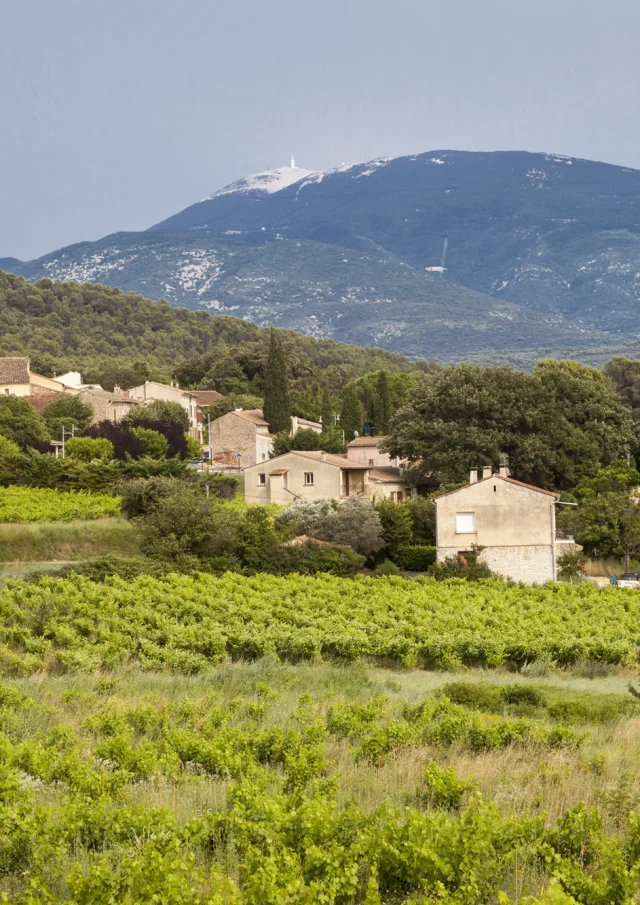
{"type": "Point", "coordinates": [116, 115]}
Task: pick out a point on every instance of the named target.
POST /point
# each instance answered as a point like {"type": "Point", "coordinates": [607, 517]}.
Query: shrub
{"type": "Point", "coordinates": [158, 410]}
{"type": "Point", "coordinates": [423, 515]}
{"type": "Point", "coordinates": [89, 449]}
{"type": "Point", "coordinates": [387, 567]}
{"type": "Point", "coordinates": [442, 788]}
{"type": "Point", "coordinates": [397, 526]}
{"type": "Point", "coordinates": [123, 567]}
{"type": "Point", "coordinates": [353, 523]}
{"type": "Point", "coordinates": [154, 444]}
{"type": "Point", "coordinates": [415, 557]}
{"type": "Point", "coordinates": [463, 565]}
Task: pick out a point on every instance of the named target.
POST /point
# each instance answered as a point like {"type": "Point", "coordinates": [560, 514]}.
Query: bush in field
{"type": "Point", "coordinates": [28, 504]}
{"type": "Point", "coordinates": [397, 526]}
{"type": "Point", "coordinates": [88, 449]}
{"type": "Point", "coordinates": [353, 523]}
{"type": "Point", "coordinates": [415, 557]}
{"type": "Point", "coordinates": [20, 422]}
{"type": "Point", "coordinates": [463, 565]}
{"type": "Point", "coordinates": [154, 444]}
{"type": "Point", "coordinates": [67, 412]}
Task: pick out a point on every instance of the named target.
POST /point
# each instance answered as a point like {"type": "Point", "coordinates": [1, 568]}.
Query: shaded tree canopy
{"type": "Point", "coordinates": [557, 425]}
{"type": "Point", "coordinates": [20, 422]}
{"type": "Point", "coordinates": [68, 412]}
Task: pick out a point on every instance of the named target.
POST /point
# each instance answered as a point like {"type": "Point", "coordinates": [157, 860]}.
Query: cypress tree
{"type": "Point", "coordinates": [382, 415]}
{"type": "Point", "coordinates": [327, 411]}
{"type": "Point", "coordinates": [351, 413]}
{"type": "Point", "coordinates": [276, 388]}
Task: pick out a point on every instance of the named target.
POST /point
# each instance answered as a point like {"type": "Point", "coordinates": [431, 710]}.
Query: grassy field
{"type": "Point", "coordinates": [48, 542]}
{"type": "Point", "coordinates": [273, 783]}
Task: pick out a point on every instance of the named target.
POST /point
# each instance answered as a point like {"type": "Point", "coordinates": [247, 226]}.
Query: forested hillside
{"type": "Point", "coordinates": [114, 336]}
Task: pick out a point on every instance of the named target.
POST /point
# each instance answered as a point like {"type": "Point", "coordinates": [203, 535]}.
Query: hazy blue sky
{"type": "Point", "coordinates": [115, 115]}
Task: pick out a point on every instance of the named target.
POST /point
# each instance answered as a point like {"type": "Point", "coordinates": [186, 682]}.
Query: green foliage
{"type": "Point", "coordinates": [415, 557]}
{"type": "Point", "coordinates": [194, 448]}
{"type": "Point", "coordinates": [468, 565]}
{"type": "Point", "coordinates": [67, 412]}
{"type": "Point", "coordinates": [27, 504]}
{"type": "Point", "coordinates": [557, 425]}
{"type": "Point", "coordinates": [442, 788]}
{"type": "Point", "coordinates": [158, 410]}
{"type": "Point", "coordinates": [439, 625]}
{"type": "Point", "coordinates": [351, 413]}
{"type": "Point", "coordinates": [571, 565]}
{"type": "Point", "coordinates": [154, 444]}
{"type": "Point", "coordinates": [8, 449]}
{"type": "Point", "coordinates": [20, 422]}
{"type": "Point", "coordinates": [153, 340]}
{"type": "Point", "coordinates": [610, 523]}
{"type": "Point", "coordinates": [381, 393]}
{"type": "Point", "coordinates": [307, 439]}
{"type": "Point", "coordinates": [353, 522]}
{"type": "Point", "coordinates": [397, 526]}
{"type": "Point", "coordinates": [326, 410]}
{"type": "Point", "coordinates": [387, 567]}
{"type": "Point", "coordinates": [276, 387]}
{"type": "Point", "coordinates": [88, 449]}
{"type": "Point", "coordinates": [423, 515]}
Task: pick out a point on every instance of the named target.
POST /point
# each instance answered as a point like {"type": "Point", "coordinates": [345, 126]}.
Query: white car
{"type": "Point", "coordinates": [629, 580]}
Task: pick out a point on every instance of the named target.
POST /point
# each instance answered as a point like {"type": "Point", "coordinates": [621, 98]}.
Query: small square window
{"type": "Point", "coordinates": [465, 523]}
{"type": "Point", "coordinates": [262, 480]}
{"type": "Point", "coordinates": [308, 477]}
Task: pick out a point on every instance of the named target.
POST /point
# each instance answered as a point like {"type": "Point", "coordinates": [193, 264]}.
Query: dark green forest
{"type": "Point", "coordinates": [116, 337]}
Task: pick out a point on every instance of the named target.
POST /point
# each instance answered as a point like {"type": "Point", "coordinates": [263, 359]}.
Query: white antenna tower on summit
{"type": "Point", "coordinates": [293, 162]}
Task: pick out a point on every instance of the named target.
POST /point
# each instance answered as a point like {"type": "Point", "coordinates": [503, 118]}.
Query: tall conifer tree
{"type": "Point", "coordinates": [276, 388]}
{"type": "Point", "coordinates": [351, 413]}
{"type": "Point", "coordinates": [382, 405]}
{"type": "Point", "coordinates": [327, 411]}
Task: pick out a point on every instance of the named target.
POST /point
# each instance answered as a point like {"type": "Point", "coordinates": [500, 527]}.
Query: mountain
{"type": "Point", "coordinates": [447, 254]}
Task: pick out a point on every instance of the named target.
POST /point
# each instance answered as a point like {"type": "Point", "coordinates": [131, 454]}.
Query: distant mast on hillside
{"type": "Point", "coordinates": [293, 163]}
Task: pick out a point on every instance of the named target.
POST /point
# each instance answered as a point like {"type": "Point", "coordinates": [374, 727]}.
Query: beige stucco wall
{"type": "Point", "coordinates": [514, 524]}
{"type": "Point", "coordinates": [327, 481]}
{"type": "Point", "coordinates": [371, 455]}
{"type": "Point", "coordinates": [15, 389]}
{"type": "Point", "coordinates": [386, 490]}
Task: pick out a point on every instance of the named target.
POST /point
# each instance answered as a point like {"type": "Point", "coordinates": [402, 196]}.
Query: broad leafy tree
{"type": "Point", "coordinates": [20, 422]}
{"type": "Point", "coordinates": [557, 425]}
{"type": "Point", "coordinates": [68, 412]}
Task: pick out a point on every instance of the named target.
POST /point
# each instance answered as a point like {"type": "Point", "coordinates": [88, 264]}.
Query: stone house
{"type": "Point", "coordinates": [17, 379]}
{"type": "Point", "coordinates": [107, 406]}
{"type": "Point", "coordinates": [366, 451]}
{"type": "Point", "coordinates": [241, 438]}
{"type": "Point", "coordinates": [515, 523]}
{"type": "Point", "coordinates": [319, 476]}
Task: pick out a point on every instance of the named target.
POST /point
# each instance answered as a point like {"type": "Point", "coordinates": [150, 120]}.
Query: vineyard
{"type": "Point", "coordinates": [201, 740]}
{"type": "Point", "coordinates": [30, 504]}
{"type": "Point", "coordinates": [190, 623]}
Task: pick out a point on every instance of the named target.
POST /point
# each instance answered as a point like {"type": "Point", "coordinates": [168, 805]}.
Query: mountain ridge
{"type": "Point", "coordinates": [545, 246]}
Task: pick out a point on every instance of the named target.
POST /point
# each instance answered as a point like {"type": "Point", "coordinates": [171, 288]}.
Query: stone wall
{"type": "Point", "coordinates": [230, 435]}
{"type": "Point", "coordinates": [532, 564]}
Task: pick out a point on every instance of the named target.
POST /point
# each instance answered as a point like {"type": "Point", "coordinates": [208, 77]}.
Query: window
{"type": "Point", "coordinates": [465, 523]}
{"type": "Point", "coordinates": [308, 477]}
{"type": "Point", "coordinates": [262, 480]}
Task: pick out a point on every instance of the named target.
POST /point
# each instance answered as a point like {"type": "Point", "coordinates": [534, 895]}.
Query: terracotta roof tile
{"type": "Point", "coordinates": [253, 415]}
{"type": "Point", "coordinates": [14, 370]}
{"type": "Point", "coordinates": [41, 400]}
{"type": "Point", "coordinates": [386, 474]}
{"type": "Point", "coordinates": [366, 441]}
{"type": "Point", "coordinates": [206, 397]}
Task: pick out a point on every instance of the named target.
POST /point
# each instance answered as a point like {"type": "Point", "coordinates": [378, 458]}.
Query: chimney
{"type": "Point", "coordinates": [487, 471]}
{"type": "Point", "coordinates": [504, 465]}
{"type": "Point", "coordinates": [323, 456]}
{"type": "Point", "coordinates": [473, 476]}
